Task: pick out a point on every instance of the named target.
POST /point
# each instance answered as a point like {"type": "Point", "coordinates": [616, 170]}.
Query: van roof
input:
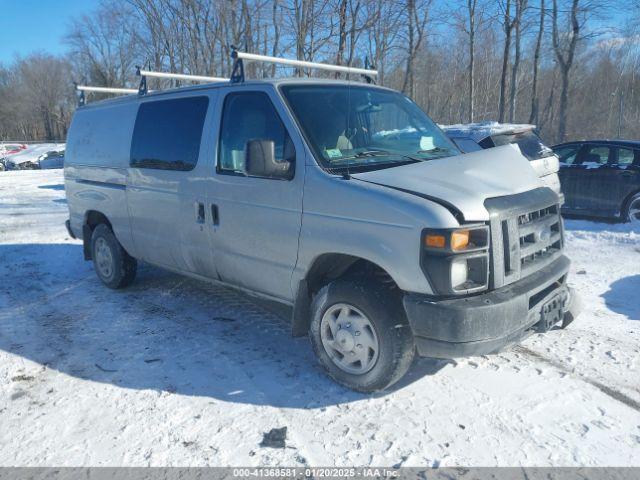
{"type": "Point", "coordinates": [208, 86]}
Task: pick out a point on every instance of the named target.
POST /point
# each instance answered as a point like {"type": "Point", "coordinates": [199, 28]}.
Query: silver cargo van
{"type": "Point", "coordinates": [340, 199]}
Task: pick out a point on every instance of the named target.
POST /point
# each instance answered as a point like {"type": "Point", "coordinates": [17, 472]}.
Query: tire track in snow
{"type": "Point", "coordinates": [607, 390]}
{"type": "Point", "coordinates": [227, 299]}
{"type": "Point", "coordinates": [26, 307]}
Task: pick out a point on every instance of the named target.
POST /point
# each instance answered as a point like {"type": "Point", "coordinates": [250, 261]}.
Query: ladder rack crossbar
{"type": "Point", "coordinates": [87, 88]}
{"type": "Point", "coordinates": [182, 76]}
{"type": "Point", "coordinates": [302, 63]}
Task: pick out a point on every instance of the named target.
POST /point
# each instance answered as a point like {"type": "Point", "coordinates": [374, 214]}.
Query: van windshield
{"type": "Point", "coordinates": [365, 128]}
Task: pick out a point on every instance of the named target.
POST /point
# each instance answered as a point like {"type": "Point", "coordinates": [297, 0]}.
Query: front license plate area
{"type": "Point", "coordinates": [552, 313]}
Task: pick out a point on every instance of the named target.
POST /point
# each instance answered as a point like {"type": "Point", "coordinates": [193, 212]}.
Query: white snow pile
{"type": "Point", "coordinates": [481, 130]}
{"type": "Point", "coordinates": [176, 372]}
{"type": "Point", "coordinates": [33, 152]}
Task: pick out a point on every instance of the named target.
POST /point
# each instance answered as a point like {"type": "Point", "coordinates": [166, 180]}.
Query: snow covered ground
{"type": "Point", "coordinates": [177, 372]}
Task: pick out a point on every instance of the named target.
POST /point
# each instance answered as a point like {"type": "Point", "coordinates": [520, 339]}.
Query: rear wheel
{"type": "Point", "coordinates": [632, 212]}
{"type": "Point", "coordinates": [113, 265]}
{"type": "Point", "coordinates": [360, 334]}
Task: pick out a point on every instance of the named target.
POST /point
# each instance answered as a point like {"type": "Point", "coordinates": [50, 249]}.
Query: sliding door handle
{"type": "Point", "coordinates": [215, 214]}
{"type": "Point", "coordinates": [199, 211]}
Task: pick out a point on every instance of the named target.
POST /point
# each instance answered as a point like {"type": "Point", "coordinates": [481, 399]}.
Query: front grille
{"type": "Point", "coordinates": [540, 237]}
{"type": "Point", "coordinates": [526, 234]}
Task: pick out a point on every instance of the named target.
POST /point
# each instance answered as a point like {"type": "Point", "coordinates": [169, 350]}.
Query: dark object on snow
{"type": "Point", "coordinates": [107, 370]}
{"type": "Point", "coordinates": [274, 438]}
{"type": "Point", "coordinates": [601, 178]}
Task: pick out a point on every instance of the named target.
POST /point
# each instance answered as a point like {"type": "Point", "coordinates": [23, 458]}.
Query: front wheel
{"type": "Point", "coordinates": [360, 334]}
{"type": "Point", "coordinates": [632, 212]}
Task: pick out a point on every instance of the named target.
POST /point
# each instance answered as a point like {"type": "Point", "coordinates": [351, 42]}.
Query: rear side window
{"type": "Point", "coordinates": [167, 133]}
{"type": "Point", "coordinates": [625, 156]}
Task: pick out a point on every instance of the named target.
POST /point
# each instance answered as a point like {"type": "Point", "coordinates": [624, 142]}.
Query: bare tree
{"type": "Point", "coordinates": [417, 19]}
{"type": "Point", "coordinates": [521, 6]}
{"type": "Point", "coordinates": [533, 116]}
{"type": "Point", "coordinates": [470, 29]}
{"type": "Point", "coordinates": [385, 19]}
{"type": "Point", "coordinates": [565, 50]}
{"type": "Point", "coordinates": [507, 25]}
{"type": "Point", "coordinates": [104, 46]}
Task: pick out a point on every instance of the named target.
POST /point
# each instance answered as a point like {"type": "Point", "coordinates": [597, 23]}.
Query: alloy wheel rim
{"type": "Point", "coordinates": [634, 211]}
{"type": "Point", "coordinates": [104, 259]}
{"type": "Point", "coordinates": [349, 339]}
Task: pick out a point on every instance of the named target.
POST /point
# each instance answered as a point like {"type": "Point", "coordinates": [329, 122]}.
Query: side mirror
{"type": "Point", "coordinates": [260, 161]}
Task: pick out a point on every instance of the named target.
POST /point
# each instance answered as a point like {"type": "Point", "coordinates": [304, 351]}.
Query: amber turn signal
{"type": "Point", "coordinates": [459, 240]}
{"type": "Point", "coordinates": [435, 241]}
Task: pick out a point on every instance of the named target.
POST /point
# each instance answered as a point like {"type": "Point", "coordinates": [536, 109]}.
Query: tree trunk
{"type": "Point", "coordinates": [471, 7]}
{"type": "Point", "coordinates": [407, 83]}
{"type": "Point", "coordinates": [508, 25]}
{"type": "Point", "coordinates": [565, 56]}
{"type": "Point", "coordinates": [520, 6]}
{"type": "Point", "coordinates": [533, 116]}
{"type": "Point", "coordinates": [342, 34]}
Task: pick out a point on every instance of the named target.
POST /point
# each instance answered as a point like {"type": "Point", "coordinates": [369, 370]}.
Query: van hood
{"type": "Point", "coordinates": [464, 181]}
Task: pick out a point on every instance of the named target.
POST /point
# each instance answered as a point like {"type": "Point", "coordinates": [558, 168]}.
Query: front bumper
{"type": "Point", "coordinates": [486, 323]}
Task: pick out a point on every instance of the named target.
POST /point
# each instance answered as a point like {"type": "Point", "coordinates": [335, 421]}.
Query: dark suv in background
{"type": "Point", "coordinates": [601, 178]}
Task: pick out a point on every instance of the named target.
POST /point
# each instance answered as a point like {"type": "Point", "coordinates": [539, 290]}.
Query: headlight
{"type": "Point", "coordinates": [456, 261]}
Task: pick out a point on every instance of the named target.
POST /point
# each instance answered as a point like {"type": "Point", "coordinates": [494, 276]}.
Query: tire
{"type": "Point", "coordinates": [382, 309]}
{"type": "Point", "coordinates": [113, 265]}
{"type": "Point", "coordinates": [632, 210]}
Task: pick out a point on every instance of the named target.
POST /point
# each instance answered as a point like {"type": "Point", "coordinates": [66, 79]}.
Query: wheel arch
{"type": "Point", "coordinates": [627, 202]}
{"type": "Point", "coordinates": [324, 269]}
{"type": "Point", "coordinates": [92, 218]}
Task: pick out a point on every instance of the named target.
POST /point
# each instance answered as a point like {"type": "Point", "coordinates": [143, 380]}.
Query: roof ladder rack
{"type": "Point", "coordinates": [241, 57]}
{"type": "Point", "coordinates": [143, 74]}
{"type": "Point", "coordinates": [86, 88]}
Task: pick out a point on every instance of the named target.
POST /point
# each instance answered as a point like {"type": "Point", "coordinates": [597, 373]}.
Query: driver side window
{"type": "Point", "coordinates": [567, 155]}
{"type": "Point", "coordinates": [250, 116]}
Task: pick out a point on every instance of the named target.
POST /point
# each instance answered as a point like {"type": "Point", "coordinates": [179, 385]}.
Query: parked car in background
{"type": "Point", "coordinates": [10, 148]}
{"type": "Point", "coordinates": [601, 178]}
{"type": "Point", "coordinates": [471, 137]}
{"type": "Point", "coordinates": [52, 159]}
{"type": "Point", "coordinates": [29, 158]}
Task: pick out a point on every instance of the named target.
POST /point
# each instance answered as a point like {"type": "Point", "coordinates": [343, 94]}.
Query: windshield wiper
{"type": "Point", "coordinates": [370, 153]}
{"type": "Point", "coordinates": [434, 150]}
{"type": "Point", "coordinates": [406, 159]}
